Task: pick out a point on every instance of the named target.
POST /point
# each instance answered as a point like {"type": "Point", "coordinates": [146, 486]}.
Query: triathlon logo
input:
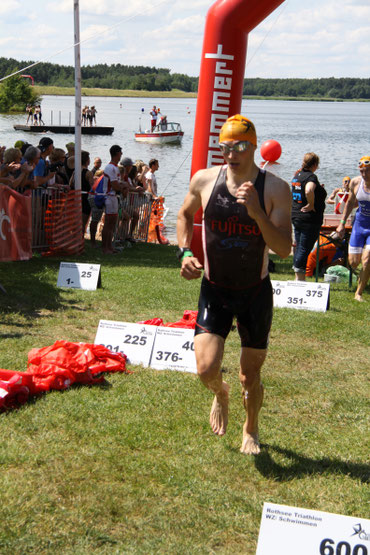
{"type": "Point", "coordinates": [222, 201]}
{"type": "Point", "coordinates": [3, 218]}
{"type": "Point", "coordinates": [360, 532]}
{"type": "Point", "coordinates": [146, 331]}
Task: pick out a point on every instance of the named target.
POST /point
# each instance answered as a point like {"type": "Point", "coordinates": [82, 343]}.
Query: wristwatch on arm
{"type": "Point", "coordinates": [183, 252]}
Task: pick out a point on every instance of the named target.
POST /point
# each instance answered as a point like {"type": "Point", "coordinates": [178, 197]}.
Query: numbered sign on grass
{"type": "Point", "coordinates": [79, 276]}
{"type": "Point", "coordinates": [301, 295]}
{"type": "Point", "coordinates": [133, 340]}
{"type": "Point", "coordinates": [292, 531]}
{"type": "Point", "coordinates": [279, 293]}
{"type": "Point", "coordinates": [174, 350]}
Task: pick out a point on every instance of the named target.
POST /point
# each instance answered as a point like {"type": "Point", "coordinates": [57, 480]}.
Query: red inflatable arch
{"type": "Point", "coordinates": [221, 80]}
{"type": "Point", "coordinates": [30, 77]}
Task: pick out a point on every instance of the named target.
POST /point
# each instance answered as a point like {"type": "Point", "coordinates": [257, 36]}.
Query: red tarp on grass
{"type": "Point", "coordinates": [58, 367]}
{"type": "Point", "coordinates": [187, 321]}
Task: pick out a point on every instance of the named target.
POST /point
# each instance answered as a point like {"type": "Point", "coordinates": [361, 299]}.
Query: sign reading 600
{"type": "Point", "coordinates": [329, 547]}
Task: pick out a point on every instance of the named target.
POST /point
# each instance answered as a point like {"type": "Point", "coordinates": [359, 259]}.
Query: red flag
{"type": "Point", "coordinates": [15, 225]}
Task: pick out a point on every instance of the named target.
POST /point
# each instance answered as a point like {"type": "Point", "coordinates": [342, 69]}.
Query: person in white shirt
{"type": "Point", "coordinates": [112, 183]}
{"type": "Point", "coordinates": [153, 117]}
{"type": "Point", "coordinates": [151, 179]}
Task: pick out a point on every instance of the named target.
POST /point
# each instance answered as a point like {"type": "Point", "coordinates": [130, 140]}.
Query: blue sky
{"type": "Point", "coordinates": [301, 38]}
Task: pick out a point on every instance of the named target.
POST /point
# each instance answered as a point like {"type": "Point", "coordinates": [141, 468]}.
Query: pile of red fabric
{"type": "Point", "coordinates": [58, 367]}
{"type": "Point", "coordinates": [65, 363]}
{"type": "Point", "coordinates": [187, 321]}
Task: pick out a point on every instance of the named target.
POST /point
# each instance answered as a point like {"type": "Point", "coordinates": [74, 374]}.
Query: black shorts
{"type": "Point", "coordinates": [252, 308]}
{"type": "Point", "coordinates": [86, 208]}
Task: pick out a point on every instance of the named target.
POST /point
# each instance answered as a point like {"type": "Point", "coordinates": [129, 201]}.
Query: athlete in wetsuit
{"type": "Point", "coordinates": [359, 244]}
{"type": "Point", "coordinates": [246, 211]}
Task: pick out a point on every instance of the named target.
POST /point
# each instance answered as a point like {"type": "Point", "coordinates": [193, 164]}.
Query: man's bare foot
{"type": "Point", "coordinates": [359, 298]}
{"type": "Point", "coordinates": [220, 411]}
{"type": "Point", "coordinates": [250, 444]}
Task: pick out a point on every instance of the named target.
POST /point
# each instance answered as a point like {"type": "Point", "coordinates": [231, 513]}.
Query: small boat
{"type": "Point", "coordinates": [163, 133]}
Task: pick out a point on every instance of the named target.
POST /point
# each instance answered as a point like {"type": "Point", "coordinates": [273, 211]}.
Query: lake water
{"type": "Point", "coordinates": [337, 131]}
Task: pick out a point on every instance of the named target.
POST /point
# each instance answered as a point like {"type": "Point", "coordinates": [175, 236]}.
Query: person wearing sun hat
{"type": "Point", "coordinates": [246, 212]}
{"type": "Point", "coordinates": [359, 243]}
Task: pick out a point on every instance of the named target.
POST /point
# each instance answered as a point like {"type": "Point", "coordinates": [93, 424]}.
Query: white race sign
{"type": "Point", "coordinates": [174, 350]}
{"type": "Point", "coordinates": [79, 276]}
{"type": "Point", "coordinates": [303, 295]}
{"type": "Point", "coordinates": [156, 346]}
{"type": "Point", "coordinates": [133, 340]}
{"type": "Point", "coordinates": [292, 531]}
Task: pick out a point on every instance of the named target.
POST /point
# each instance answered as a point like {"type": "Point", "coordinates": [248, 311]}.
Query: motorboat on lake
{"type": "Point", "coordinates": [163, 133]}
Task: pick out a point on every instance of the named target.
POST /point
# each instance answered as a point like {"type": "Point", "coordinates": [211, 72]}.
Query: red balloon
{"type": "Point", "coordinates": [271, 150]}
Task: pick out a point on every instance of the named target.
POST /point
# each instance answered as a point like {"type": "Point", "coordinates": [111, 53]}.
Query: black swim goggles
{"type": "Point", "coordinates": [240, 146]}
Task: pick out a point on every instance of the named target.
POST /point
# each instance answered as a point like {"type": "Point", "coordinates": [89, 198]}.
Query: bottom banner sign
{"type": "Point", "coordinates": [156, 346]}
{"type": "Point", "coordinates": [292, 531]}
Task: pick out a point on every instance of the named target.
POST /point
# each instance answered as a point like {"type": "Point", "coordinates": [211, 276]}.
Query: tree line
{"type": "Point", "coordinates": [346, 88]}
{"type": "Point", "coordinates": [103, 76]}
{"type": "Point", "coordinates": [118, 76]}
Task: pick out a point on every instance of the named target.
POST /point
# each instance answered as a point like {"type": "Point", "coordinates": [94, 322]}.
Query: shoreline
{"type": "Point", "coordinates": [175, 93]}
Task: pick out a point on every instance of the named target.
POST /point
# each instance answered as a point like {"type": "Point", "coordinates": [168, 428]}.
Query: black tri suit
{"type": "Point", "coordinates": [236, 281]}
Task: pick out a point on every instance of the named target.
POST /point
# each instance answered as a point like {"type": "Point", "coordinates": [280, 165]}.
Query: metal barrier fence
{"type": "Point", "coordinates": [40, 199]}
{"type": "Point", "coordinates": [133, 218]}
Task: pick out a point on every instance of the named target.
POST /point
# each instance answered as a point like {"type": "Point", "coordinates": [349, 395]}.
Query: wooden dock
{"type": "Point", "coordinates": [85, 130]}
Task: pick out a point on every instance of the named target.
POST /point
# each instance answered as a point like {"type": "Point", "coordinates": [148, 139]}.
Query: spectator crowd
{"type": "Point", "coordinates": [117, 196]}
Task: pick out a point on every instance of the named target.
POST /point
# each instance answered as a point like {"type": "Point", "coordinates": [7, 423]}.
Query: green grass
{"type": "Point", "coordinates": [132, 466]}
{"type": "Point", "coordinates": [70, 91]}
{"type": "Point", "coordinates": [174, 93]}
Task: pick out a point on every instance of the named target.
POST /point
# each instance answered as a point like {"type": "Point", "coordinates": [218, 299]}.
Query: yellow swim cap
{"type": "Point", "coordinates": [346, 178]}
{"type": "Point", "coordinates": [238, 128]}
{"type": "Point", "coordinates": [364, 161]}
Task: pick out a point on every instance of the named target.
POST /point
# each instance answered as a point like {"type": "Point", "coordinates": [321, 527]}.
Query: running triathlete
{"type": "Point", "coordinates": [246, 211]}
{"type": "Point", "coordinates": [359, 243]}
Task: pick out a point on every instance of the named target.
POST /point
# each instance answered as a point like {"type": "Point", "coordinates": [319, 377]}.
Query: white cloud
{"type": "Point", "coordinates": [321, 40]}
{"type": "Point", "coordinates": [298, 39]}
{"type": "Point", "coordinates": [9, 6]}
{"type": "Point", "coordinates": [113, 8]}
{"type": "Point", "coordinates": [94, 34]}
{"type": "Point", "coordinates": [41, 30]}
{"type": "Point", "coordinates": [180, 28]}
{"type": "Point", "coordinates": [6, 40]}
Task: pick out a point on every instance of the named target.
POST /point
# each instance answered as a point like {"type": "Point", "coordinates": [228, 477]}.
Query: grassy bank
{"type": "Point", "coordinates": [70, 91]}
{"type": "Point", "coordinates": [132, 466]}
{"type": "Point", "coordinates": [175, 93]}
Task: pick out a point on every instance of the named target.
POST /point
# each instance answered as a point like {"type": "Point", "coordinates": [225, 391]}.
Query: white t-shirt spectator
{"type": "Point", "coordinates": [111, 173]}
{"type": "Point", "coordinates": [152, 182]}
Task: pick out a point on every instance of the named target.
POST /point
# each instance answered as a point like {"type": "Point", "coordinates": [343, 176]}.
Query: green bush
{"type": "Point", "coordinates": [15, 94]}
